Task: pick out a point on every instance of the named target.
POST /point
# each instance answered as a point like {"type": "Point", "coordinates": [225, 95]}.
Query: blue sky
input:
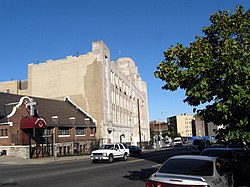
{"type": "Point", "coordinates": [34, 30]}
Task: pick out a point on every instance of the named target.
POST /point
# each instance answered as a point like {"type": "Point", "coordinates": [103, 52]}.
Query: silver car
{"type": "Point", "coordinates": [192, 170]}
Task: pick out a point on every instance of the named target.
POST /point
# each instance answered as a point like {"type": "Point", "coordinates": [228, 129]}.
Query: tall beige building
{"type": "Point", "coordinates": [182, 124]}
{"type": "Point", "coordinates": [112, 92]}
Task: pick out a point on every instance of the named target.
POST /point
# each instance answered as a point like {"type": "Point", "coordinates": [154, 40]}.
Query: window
{"type": "Point", "coordinates": [6, 132]}
{"type": "Point", "coordinates": [46, 132]}
{"type": "Point", "coordinates": [1, 132]}
{"type": "Point", "coordinates": [79, 131]}
{"type": "Point", "coordinates": [116, 147]}
{"type": "Point", "coordinates": [63, 131]}
{"type": "Point", "coordinates": [187, 166]}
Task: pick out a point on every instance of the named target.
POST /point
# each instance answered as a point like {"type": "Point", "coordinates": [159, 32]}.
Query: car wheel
{"type": "Point", "coordinates": [111, 159]}
{"type": "Point", "coordinates": [125, 157]}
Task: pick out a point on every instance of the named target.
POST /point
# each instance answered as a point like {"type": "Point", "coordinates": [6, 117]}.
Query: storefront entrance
{"type": "Point", "coordinates": [33, 135]}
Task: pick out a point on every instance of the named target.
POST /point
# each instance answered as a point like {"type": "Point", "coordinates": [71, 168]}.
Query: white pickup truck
{"type": "Point", "coordinates": [109, 152]}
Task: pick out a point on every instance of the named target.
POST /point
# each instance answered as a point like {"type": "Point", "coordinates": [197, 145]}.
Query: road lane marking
{"type": "Point", "coordinates": [137, 160]}
{"type": "Point", "coordinates": [156, 166]}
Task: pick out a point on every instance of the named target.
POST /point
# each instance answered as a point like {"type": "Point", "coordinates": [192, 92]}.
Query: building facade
{"type": "Point", "coordinates": [203, 128]}
{"type": "Point", "coordinates": [28, 125]}
{"type": "Point", "coordinates": [182, 124]}
{"type": "Point", "coordinates": [112, 92]}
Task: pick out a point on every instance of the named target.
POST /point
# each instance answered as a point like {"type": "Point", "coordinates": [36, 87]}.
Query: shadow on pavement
{"type": "Point", "coordinates": [161, 156]}
{"type": "Point", "coordinates": [6, 181]}
{"type": "Point", "coordinates": [141, 175]}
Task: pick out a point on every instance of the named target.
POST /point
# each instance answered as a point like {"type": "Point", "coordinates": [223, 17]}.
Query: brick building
{"type": "Point", "coordinates": [27, 125]}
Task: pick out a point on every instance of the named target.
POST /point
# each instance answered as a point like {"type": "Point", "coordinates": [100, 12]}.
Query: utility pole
{"type": "Point", "coordinates": [54, 143]}
{"type": "Point", "coordinates": [139, 121]}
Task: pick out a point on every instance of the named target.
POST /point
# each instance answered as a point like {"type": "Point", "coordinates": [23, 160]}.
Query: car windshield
{"type": "Point", "coordinates": [125, 145]}
{"type": "Point", "coordinates": [110, 146]}
{"type": "Point", "coordinates": [188, 167]}
{"type": "Point", "coordinates": [218, 153]}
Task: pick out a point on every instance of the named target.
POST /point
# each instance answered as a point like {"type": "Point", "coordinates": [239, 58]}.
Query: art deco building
{"type": "Point", "coordinates": [112, 92]}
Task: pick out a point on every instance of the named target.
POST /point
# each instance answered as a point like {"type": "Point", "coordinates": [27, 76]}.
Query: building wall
{"type": "Point", "coordinates": [184, 124]}
{"type": "Point", "coordinates": [14, 87]}
{"type": "Point", "coordinates": [110, 91]}
{"type": "Point", "coordinates": [129, 103]}
{"type": "Point", "coordinates": [76, 77]}
{"type": "Point", "coordinates": [200, 126]}
{"type": "Point", "coordinates": [4, 134]}
{"type": "Point", "coordinates": [14, 134]}
{"type": "Point", "coordinates": [203, 128]}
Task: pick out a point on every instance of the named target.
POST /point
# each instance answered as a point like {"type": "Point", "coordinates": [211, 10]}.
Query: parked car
{"type": "Point", "coordinates": [199, 145]}
{"type": "Point", "coordinates": [178, 142]}
{"type": "Point", "coordinates": [225, 154]}
{"type": "Point", "coordinates": [134, 150]}
{"type": "Point", "coordinates": [242, 155]}
{"type": "Point", "coordinates": [167, 143]}
{"type": "Point", "coordinates": [192, 171]}
{"type": "Point", "coordinates": [228, 156]}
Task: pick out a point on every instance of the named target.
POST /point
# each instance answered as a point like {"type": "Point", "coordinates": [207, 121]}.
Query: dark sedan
{"type": "Point", "coordinates": [229, 157]}
{"type": "Point", "coordinates": [134, 150]}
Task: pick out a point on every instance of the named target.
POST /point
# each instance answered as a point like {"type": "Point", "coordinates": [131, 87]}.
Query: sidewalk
{"type": "Point", "coordinates": [6, 160]}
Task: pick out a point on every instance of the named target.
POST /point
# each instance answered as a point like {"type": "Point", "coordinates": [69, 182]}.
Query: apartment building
{"type": "Point", "coordinates": [182, 124]}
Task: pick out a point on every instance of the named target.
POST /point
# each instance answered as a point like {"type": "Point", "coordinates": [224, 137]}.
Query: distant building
{"type": "Point", "coordinates": [203, 128]}
{"type": "Point", "coordinates": [158, 127]}
{"type": "Point", "coordinates": [181, 124]}
{"type": "Point", "coordinates": [112, 92]}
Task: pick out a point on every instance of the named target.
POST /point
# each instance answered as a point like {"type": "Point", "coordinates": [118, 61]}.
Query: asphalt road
{"type": "Point", "coordinates": [133, 172]}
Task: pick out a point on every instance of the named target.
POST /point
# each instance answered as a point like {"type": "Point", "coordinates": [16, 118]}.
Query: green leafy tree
{"type": "Point", "coordinates": [214, 70]}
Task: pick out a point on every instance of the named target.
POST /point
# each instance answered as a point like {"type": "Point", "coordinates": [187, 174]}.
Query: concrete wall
{"type": "Point", "coordinates": [62, 149]}
{"type": "Point", "coordinates": [16, 151]}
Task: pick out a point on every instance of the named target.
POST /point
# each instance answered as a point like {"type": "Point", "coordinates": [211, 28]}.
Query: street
{"type": "Point", "coordinates": [133, 172]}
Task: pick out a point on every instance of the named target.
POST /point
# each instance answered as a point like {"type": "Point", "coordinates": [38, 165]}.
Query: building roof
{"type": "Point", "coordinates": [67, 113]}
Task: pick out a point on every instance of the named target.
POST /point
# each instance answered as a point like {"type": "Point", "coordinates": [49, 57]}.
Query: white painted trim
{"type": "Point", "coordinates": [68, 98]}
{"type": "Point", "coordinates": [18, 105]}
{"type": "Point", "coordinates": [81, 135]}
{"type": "Point", "coordinates": [4, 137]}
{"type": "Point", "coordinates": [7, 123]}
{"type": "Point", "coordinates": [63, 136]}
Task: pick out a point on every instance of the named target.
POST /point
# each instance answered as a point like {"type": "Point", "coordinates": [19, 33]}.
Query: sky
{"type": "Point", "coordinates": [39, 30]}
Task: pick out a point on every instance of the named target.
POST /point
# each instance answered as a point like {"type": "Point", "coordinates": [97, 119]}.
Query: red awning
{"type": "Point", "coordinates": [28, 123]}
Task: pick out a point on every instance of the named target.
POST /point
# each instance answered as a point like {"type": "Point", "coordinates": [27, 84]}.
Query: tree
{"type": "Point", "coordinates": [214, 70]}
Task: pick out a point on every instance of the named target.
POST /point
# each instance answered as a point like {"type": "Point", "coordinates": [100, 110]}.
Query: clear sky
{"type": "Point", "coordinates": [32, 30]}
